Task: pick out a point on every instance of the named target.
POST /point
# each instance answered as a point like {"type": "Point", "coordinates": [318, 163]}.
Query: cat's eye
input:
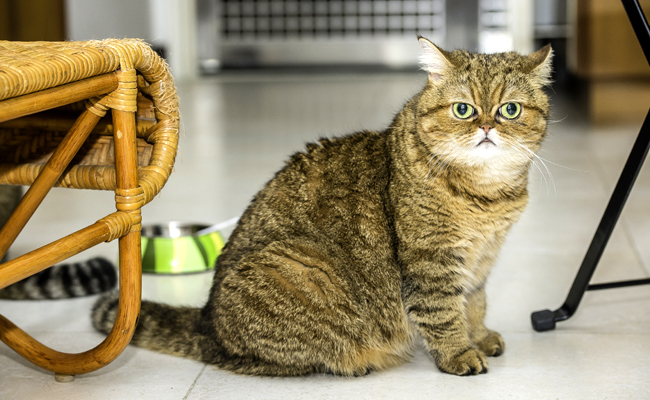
{"type": "Point", "coordinates": [463, 110]}
{"type": "Point", "coordinates": [510, 110]}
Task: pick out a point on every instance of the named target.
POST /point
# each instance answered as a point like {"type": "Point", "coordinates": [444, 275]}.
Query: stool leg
{"type": "Point", "coordinates": [37, 260]}
{"type": "Point", "coordinates": [63, 378]}
{"type": "Point", "coordinates": [130, 279]}
{"type": "Point", "coordinates": [107, 351]}
{"type": "Point", "coordinates": [46, 179]}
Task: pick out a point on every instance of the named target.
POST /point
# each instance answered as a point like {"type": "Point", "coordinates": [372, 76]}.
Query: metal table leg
{"type": "Point", "coordinates": [545, 320]}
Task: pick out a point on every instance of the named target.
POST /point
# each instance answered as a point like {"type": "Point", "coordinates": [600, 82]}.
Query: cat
{"type": "Point", "coordinates": [363, 242]}
{"type": "Point", "coordinates": [62, 281]}
{"type": "Point", "coordinates": [65, 281]}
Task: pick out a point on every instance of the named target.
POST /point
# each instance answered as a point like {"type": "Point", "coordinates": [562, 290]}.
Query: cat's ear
{"type": "Point", "coordinates": [433, 60]}
{"type": "Point", "coordinates": [541, 65]}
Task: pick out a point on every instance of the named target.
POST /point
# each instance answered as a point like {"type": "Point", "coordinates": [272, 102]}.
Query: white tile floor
{"type": "Point", "coordinates": [237, 132]}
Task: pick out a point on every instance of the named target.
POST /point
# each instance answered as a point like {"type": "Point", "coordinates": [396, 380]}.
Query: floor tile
{"type": "Point", "coordinates": [536, 366]}
{"type": "Point", "coordinates": [135, 374]}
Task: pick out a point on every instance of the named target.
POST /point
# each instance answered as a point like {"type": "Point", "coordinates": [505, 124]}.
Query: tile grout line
{"type": "Point", "coordinates": [194, 383]}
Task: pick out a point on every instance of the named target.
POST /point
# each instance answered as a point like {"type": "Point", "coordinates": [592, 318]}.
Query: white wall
{"type": "Point", "coordinates": [522, 25]}
{"type": "Point", "coordinates": [174, 25]}
{"type": "Point", "coordinates": [166, 23]}
{"type": "Point", "coordinates": [94, 19]}
{"type": "Point", "coordinates": [518, 28]}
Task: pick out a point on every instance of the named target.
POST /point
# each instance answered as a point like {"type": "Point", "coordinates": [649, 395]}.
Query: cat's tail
{"type": "Point", "coordinates": [64, 281]}
{"type": "Point", "coordinates": [162, 328]}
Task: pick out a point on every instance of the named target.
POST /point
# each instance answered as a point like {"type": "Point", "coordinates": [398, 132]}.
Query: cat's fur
{"type": "Point", "coordinates": [64, 281]}
{"type": "Point", "coordinates": [363, 242]}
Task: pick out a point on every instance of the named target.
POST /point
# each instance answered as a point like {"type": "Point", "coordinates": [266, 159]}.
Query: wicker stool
{"type": "Point", "coordinates": [130, 152]}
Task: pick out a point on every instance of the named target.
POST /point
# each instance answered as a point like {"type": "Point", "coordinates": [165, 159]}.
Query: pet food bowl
{"type": "Point", "coordinates": [179, 248]}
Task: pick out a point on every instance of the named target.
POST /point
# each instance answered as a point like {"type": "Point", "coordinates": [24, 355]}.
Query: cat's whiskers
{"type": "Point", "coordinates": [439, 157]}
{"type": "Point", "coordinates": [445, 164]}
{"type": "Point", "coordinates": [560, 165]}
{"type": "Point", "coordinates": [436, 166]}
{"type": "Point", "coordinates": [430, 165]}
{"type": "Point", "coordinates": [440, 163]}
{"type": "Point", "coordinates": [541, 172]}
{"type": "Point", "coordinates": [550, 121]}
{"type": "Point", "coordinates": [519, 144]}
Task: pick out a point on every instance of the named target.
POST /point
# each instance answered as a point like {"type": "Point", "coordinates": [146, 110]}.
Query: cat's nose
{"type": "Point", "coordinates": [486, 127]}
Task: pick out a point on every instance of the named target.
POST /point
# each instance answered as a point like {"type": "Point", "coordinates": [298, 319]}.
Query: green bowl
{"type": "Point", "coordinates": [174, 248]}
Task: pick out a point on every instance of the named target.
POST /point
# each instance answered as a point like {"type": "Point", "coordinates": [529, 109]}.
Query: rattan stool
{"type": "Point", "coordinates": [130, 152]}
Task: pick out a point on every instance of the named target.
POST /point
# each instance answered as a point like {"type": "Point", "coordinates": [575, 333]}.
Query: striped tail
{"type": "Point", "coordinates": [161, 328]}
{"type": "Point", "coordinates": [65, 281]}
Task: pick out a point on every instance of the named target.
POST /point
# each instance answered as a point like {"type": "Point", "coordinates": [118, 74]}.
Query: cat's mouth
{"type": "Point", "coordinates": [486, 141]}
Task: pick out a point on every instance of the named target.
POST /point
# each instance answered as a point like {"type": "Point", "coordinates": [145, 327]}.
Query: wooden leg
{"type": "Point", "coordinates": [107, 351]}
{"type": "Point", "coordinates": [67, 365]}
{"type": "Point", "coordinates": [62, 249]}
{"type": "Point", "coordinates": [63, 378]}
{"type": "Point", "coordinates": [55, 166]}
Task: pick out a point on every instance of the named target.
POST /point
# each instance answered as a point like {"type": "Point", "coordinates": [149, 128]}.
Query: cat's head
{"type": "Point", "coordinates": [484, 111]}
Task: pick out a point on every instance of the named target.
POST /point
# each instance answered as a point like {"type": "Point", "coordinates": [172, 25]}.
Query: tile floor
{"type": "Point", "coordinates": [238, 129]}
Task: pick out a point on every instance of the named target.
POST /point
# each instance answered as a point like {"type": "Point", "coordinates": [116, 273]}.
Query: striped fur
{"type": "Point", "coordinates": [65, 281]}
{"type": "Point", "coordinates": [361, 243]}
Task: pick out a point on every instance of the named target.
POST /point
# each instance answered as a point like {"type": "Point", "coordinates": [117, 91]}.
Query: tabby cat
{"type": "Point", "coordinates": [361, 243]}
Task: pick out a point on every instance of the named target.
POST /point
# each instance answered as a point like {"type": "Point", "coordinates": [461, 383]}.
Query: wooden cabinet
{"type": "Point", "coordinates": [27, 20]}
{"type": "Point", "coordinates": [609, 56]}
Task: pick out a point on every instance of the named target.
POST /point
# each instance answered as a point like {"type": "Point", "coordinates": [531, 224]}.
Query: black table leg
{"type": "Point", "coordinates": [545, 320]}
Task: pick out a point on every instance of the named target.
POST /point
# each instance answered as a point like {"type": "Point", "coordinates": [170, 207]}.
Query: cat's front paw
{"type": "Point", "coordinates": [493, 345]}
{"type": "Point", "coordinates": [471, 362]}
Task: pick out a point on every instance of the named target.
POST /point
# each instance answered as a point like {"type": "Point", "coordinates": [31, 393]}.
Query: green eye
{"type": "Point", "coordinates": [510, 110]}
{"type": "Point", "coordinates": [463, 110]}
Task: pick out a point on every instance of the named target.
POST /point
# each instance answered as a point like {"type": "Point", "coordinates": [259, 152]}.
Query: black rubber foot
{"type": "Point", "coordinates": [543, 320]}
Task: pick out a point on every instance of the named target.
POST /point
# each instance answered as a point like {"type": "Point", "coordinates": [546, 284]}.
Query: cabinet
{"type": "Point", "coordinates": [609, 57]}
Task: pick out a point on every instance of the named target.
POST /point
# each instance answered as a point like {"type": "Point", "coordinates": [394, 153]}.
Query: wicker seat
{"type": "Point", "coordinates": [87, 115]}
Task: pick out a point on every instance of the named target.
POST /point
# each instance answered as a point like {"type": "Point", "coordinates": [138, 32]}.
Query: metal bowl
{"type": "Point", "coordinates": [175, 248]}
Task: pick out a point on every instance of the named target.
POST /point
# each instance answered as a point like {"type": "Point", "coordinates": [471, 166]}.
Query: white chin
{"type": "Point", "coordinates": [486, 151]}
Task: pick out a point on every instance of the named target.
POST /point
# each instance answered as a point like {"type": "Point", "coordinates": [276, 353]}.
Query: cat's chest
{"type": "Point", "coordinates": [481, 232]}
{"type": "Point", "coordinates": [480, 253]}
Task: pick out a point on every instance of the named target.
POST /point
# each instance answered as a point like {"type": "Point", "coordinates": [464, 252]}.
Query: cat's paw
{"type": "Point", "coordinates": [493, 345]}
{"type": "Point", "coordinates": [471, 362]}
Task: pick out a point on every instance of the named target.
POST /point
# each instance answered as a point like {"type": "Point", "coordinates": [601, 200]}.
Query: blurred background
{"type": "Point", "coordinates": [597, 54]}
